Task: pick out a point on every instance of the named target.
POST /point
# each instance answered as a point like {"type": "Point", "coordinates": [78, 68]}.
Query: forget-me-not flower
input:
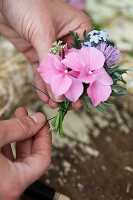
{"type": "Point", "coordinates": [95, 39]}
{"type": "Point", "coordinates": [104, 35]}
{"type": "Point", "coordinates": [93, 32]}
{"type": "Point", "coordinates": [87, 44]}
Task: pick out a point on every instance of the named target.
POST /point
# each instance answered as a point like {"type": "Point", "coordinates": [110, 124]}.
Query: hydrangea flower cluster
{"type": "Point", "coordinates": [85, 71]}
{"type": "Point", "coordinates": [66, 76]}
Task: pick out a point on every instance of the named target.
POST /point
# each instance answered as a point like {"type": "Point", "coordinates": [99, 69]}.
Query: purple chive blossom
{"type": "Point", "coordinates": [87, 44]}
{"type": "Point", "coordinates": [112, 55]}
{"type": "Point", "coordinates": [104, 35]}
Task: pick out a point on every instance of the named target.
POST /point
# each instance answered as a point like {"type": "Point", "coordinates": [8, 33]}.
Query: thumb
{"type": "Point", "coordinates": [18, 129]}
{"type": "Point", "coordinates": [43, 40]}
{"type": "Point", "coordinates": [42, 43]}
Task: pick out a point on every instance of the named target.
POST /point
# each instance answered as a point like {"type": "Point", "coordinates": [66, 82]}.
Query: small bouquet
{"type": "Point", "coordinates": [86, 71]}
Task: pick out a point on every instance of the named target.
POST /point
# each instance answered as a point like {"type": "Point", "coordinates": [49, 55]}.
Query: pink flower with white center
{"type": "Point", "coordinates": [61, 80]}
{"type": "Point", "coordinates": [90, 63]}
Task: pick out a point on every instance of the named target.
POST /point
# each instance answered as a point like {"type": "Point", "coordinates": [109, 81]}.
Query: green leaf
{"type": "Point", "coordinates": [77, 40]}
{"type": "Point", "coordinates": [53, 123]}
{"type": "Point", "coordinates": [107, 103]}
{"type": "Point", "coordinates": [72, 33]}
{"type": "Point", "coordinates": [86, 37]}
{"type": "Point", "coordinates": [118, 87]}
{"type": "Point", "coordinates": [122, 71]}
{"type": "Point", "coordinates": [88, 99]}
{"type": "Point", "coordinates": [101, 109]}
{"type": "Point", "coordinates": [85, 103]}
{"type": "Point", "coordinates": [60, 121]}
{"type": "Point", "coordinates": [123, 81]}
{"type": "Point", "coordinates": [112, 70]}
{"type": "Point", "coordinates": [114, 94]}
{"type": "Point", "coordinates": [117, 74]}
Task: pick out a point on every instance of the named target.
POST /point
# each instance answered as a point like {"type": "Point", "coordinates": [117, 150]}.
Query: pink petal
{"type": "Point", "coordinates": [98, 92]}
{"type": "Point", "coordinates": [75, 91]}
{"type": "Point", "coordinates": [60, 84]}
{"type": "Point", "coordinates": [74, 73]}
{"type": "Point", "coordinates": [85, 57]}
{"type": "Point", "coordinates": [92, 58]}
{"type": "Point", "coordinates": [73, 50]}
{"type": "Point", "coordinates": [103, 77]}
{"type": "Point", "coordinates": [57, 62]}
{"type": "Point", "coordinates": [71, 61]}
{"type": "Point", "coordinates": [47, 69]}
{"type": "Point", "coordinates": [85, 77]}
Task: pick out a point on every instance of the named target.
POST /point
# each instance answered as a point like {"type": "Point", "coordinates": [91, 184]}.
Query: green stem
{"type": "Point", "coordinates": [61, 131]}
{"type": "Point", "coordinates": [57, 122]}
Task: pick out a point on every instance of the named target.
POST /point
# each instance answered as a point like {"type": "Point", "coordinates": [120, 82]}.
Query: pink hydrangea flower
{"type": "Point", "coordinates": [62, 81]}
{"type": "Point", "coordinates": [89, 62]}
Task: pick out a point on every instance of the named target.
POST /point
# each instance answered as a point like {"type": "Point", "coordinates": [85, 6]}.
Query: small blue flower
{"type": "Point", "coordinates": [104, 35]}
{"type": "Point", "coordinates": [87, 44]}
{"type": "Point", "coordinates": [95, 39]}
{"type": "Point", "coordinates": [93, 32]}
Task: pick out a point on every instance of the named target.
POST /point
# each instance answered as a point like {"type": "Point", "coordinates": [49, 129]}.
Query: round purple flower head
{"type": "Point", "coordinates": [112, 55]}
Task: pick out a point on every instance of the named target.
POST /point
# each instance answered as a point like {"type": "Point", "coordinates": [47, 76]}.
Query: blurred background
{"type": "Point", "coordinates": [94, 159]}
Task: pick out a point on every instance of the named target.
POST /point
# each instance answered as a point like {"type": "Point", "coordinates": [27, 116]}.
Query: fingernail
{"type": "Point", "coordinates": [38, 118]}
{"type": "Point", "coordinates": [56, 99]}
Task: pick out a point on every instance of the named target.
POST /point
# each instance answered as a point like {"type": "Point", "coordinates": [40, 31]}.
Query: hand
{"type": "Point", "coordinates": [32, 26]}
{"type": "Point", "coordinates": [32, 153]}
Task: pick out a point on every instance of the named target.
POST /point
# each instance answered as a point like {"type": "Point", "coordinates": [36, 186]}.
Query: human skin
{"type": "Point", "coordinates": [33, 152]}
{"type": "Point", "coordinates": [32, 26]}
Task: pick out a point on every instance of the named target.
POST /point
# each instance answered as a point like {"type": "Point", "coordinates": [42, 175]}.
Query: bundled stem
{"type": "Point", "coordinates": [56, 123]}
